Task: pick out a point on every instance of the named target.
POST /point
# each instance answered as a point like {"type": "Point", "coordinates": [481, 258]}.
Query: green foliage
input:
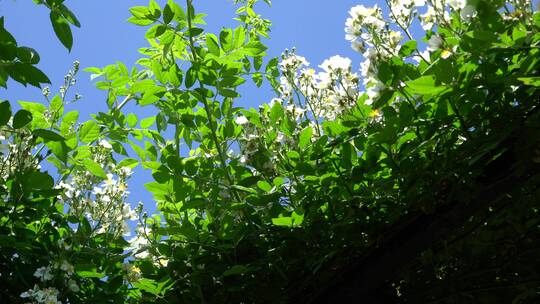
{"type": "Point", "coordinates": [422, 188]}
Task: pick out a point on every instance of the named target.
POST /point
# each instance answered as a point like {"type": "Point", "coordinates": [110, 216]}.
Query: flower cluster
{"type": "Point", "coordinates": [140, 246]}
{"type": "Point", "coordinates": [323, 95]}
{"type": "Point", "coordinates": [307, 98]}
{"type": "Point", "coordinates": [402, 12]}
{"type": "Point", "coordinates": [378, 38]}
{"type": "Point", "coordinates": [363, 25]}
{"type": "Point", "coordinates": [62, 270]}
{"type": "Point", "coordinates": [16, 154]}
{"type": "Point", "coordinates": [46, 296]}
{"type": "Point", "coordinates": [103, 203]}
{"type": "Point", "coordinates": [69, 80]}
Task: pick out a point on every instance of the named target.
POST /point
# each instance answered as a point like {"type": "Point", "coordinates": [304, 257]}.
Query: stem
{"type": "Point", "coordinates": [462, 122]}
{"type": "Point", "coordinates": [124, 102]}
{"type": "Point", "coordinates": [207, 108]}
{"type": "Point", "coordinates": [405, 30]}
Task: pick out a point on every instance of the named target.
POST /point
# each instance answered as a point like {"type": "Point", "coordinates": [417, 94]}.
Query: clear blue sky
{"type": "Point", "coordinates": [314, 27]}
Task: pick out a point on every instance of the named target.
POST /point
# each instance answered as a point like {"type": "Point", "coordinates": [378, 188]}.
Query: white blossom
{"type": "Point", "coordinates": [44, 274]}
{"type": "Point", "coordinates": [105, 144]}
{"type": "Point", "coordinates": [45, 296]}
{"type": "Point", "coordinates": [336, 63]}
{"type": "Point", "coordinates": [434, 43]}
{"type": "Point", "coordinates": [241, 120]}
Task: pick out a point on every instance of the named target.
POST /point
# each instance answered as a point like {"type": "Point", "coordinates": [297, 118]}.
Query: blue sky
{"type": "Point", "coordinates": [314, 27]}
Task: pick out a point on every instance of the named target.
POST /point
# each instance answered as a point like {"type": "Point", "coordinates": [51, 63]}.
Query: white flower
{"type": "Point", "coordinates": [73, 285]}
{"type": "Point", "coordinates": [361, 11]}
{"type": "Point", "coordinates": [457, 4]}
{"type": "Point", "coordinates": [110, 181]}
{"type": "Point", "coordinates": [28, 293]}
{"type": "Point", "coordinates": [98, 191]}
{"type": "Point", "coordinates": [243, 159]}
{"type": "Point", "coordinates": [128, 213]}
{"type": "Point", "coordinates": [163, 262]}
{"type": "Point", "coordinates": [241, 120]}
{"type": "Point", "coordinates": [336, 63]}
{"type": "Point", "coordinates": [434, 43]}
{"type": "Point", "coordinates": [274, 101]}
{"type": "Point", "coordinates": [374, 91]}
{"type": "Point", "coordinates": [468, 12]}
{"type": "Point", "coordinates": [44, 274]}
{"type": "Point", "coordinates": [292, 62]}
{"type": "Point", "coordinates": [45, 296]}
{"type": "Point", "coordinates": [138, 243]}
{"type": "Point", "coordinates": [427, 20]}
{"type": "Point", "coordinates": [105, 144]}
{"type": "Point", "coordinates": [67, 267]}
{"type": "Point", "coordinates": [125, 171]}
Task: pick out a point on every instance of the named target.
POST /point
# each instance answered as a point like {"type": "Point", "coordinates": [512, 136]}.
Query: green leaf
{"type": "Point", "coordinates": [8, 45]}
{"type": "Point", "coordinates": [225, 39]}
{"type": "Point", "coordinates": [294, 220]}
{"type": "Point", "coordinates": [59, 149]}
{"type": "Point", "coordinates": [305, 137]}
{"type": "Point", "coordinates": [245, 189]}
{"type": "Point", "coordinates": [191, 77]}
{"type": "Point", "coordinates": [94, 168]}
{"type": "Point", "coordinates": [48, 135]}
{"type": "Point", "coordinates": [148, 122]}
{"type": "Point", "coordinates": [68, 121]}
{"type": "Point", "coordinates": [530, 81]}
{"type": "Point", "coordinates": [128, 162]}
{"type": "Point", "coordinates": [257, 78]}
{"type": "Point", "coordinates": [212, 44]}
{"type": "Point", "coordinates": [70, 17]}
{"type": "Point", "coordinates": [88, 271]}
{"type": "Point", "coordinates": [132, 120]}
{"type": "Point", "coordinates": [56, 108]}
{"type": "Point", "coordinates": [160, 191]}
{"type": "Point", "coordinates": [141, 22]}
{"type": "Point", "coordinates": [147, 285]}
{"type": "Point", "coordinates": [61, 29]}
{"type": "Point", "coordinates": [21, 119]}
{"type": "Point", "coordinates": [179, 14]}
{"type": "Point", "coordinates": [264, 186]}
{"type": "Point", "coordinates": [89, 132]}
{"type": "Point", "coordinates": [28, 55]}
{"type": "Point", "coordinates": [334, 128]}
{"type": "Point", "coordinates": [27, 74]}
{"type": "Point", "coordinates": [190, 165]}
{"type": "Point", "coordinates": [38, 181]}
{"type": "Point", "coordinates": [154, 9]}
{"type": "Point", "coordinates": [33, 107]}
{"type": "Point", "coordinates": [228, 93]}
{"type": "Point", "coordinates": [408, 48]}
{"type": "Point", "coordinates": [239, 37]}
{"type": "Point", "coordinates": [154, 32]}
{"type": "Point", "coordinates": [138, 150]}
{"type": "Point", "coordinates": [168, 14]}
{"type": "Point", "coordinates": [278, 181]}
{"type": "Point", "coordinates": [425, 85]}
{"type": "Point", "coordinates": [254, 48]}
{"type": "Point", "coordinates": [139, 12]}
{"type": "Point", "coordinates": [276, 112]}
{"type": "Point", "coordinates": [5, 112]}
{"type": "Point", "coordinates": [236, 270]}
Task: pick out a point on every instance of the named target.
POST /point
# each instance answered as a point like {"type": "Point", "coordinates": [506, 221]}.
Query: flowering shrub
{"type": "Point", "coordinates": [405, 181]}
